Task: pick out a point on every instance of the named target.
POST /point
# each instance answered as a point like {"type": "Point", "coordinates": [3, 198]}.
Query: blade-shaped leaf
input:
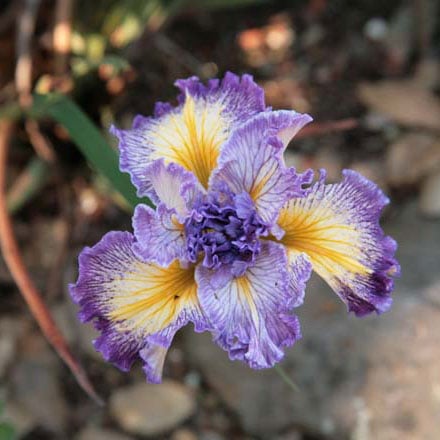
{"type": "Point", "coordinates": [89, 141]}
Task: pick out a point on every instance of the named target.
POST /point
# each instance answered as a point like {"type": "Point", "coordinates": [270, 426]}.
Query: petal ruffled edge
{"type": "Point", "coordinates": [337, 226]}
{"type": "Point", "coordinates": [173, 186]}
{"type": "Point", "coordinates": [250, 314]}
{"type": "Point", "coordinates": [191, 134]}
{"type": "Point", "coordinates": [160, 237]}
{"type": "Point", "coordinates": [118, 292]}
{"type": "Point", "coordinates": [252, 161]}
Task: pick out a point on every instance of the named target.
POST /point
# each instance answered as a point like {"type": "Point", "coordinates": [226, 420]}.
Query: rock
{"type": "Point", "coordinates": [10, 330]}
{"type": "Point", "coordinates": [412, 157]}
{"type": "Point", "coordinates": [184, 434]}
{"type": "Point", "coordinates": [377, 375]}
{"type": "Point", "coordinates": [376, 29]}
{"type": "Point", "coordinates": [291, 435]}
{"type": "Point", "coordinates": [210, 435]}
{"type": "Point", "coordinates": [44, 237]}
{"type": "Point", "coordinates": [145, 409]}
{"type": "Point", "coordinates": [427, 74]}
{"type": "Point", "coordinates": [429, 202]}
{"type": "Point", "coordinates": [76, 332]}
{"type": "Point", "coordinates": [21, 419]}
{"type": "Point", "coordinates": [403, 101]}
{"type": "Point", "coordinates": [95, 433]}
{"type": "Point", "coordinates": [35, 388]}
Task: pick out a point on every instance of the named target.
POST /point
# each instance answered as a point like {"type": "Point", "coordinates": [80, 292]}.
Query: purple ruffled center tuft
{"type": "Point", "coordinates": [225, 232]}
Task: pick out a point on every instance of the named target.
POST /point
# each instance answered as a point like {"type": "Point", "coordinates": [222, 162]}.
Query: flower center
{"type": "Point", "coordinates": [225, 233]}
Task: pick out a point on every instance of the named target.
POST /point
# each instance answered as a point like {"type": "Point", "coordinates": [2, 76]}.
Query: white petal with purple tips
{"type": "Point", "coordinates": [337, 226]}
{"type": "Point", "coordinates": [136, 305]}
{"type": "Point", "coordinates": [159, 235]}
{"type": "Point", "coordinates": [250, 313]}
{"type": "Point", "coordinates": [251, 162]}
{"type": "Point", "coordinates": [192, 134]}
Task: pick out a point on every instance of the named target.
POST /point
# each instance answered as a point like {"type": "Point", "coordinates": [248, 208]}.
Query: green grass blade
{"type": "Point", "coordinates": [28, 184]}
{"type": "Point", "coordinates": [89, 141]}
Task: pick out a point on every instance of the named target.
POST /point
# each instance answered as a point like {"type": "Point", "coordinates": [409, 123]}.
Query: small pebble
{"type": "Point", "coordinates": [376, 29]}
{"type": "Point", "coordinates": [145, 409]}
{"type": "Point", "coordinates": [429, 202]}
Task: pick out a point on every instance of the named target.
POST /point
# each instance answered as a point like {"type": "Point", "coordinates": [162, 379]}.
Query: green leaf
{"type": "Point", "coordinates": [89, 141]}
{"type": "Point", "coordinates": [28, 183]}
{"type": "Point", "coordinates": [10, 111]}
{"type": "Point", "coordinates": [7, 431]}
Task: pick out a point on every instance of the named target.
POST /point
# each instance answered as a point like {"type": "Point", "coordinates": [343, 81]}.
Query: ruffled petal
{"type": "Point", "coordinates": [251, 161]}
{"type": "Point", "coordinates": [136, 305]}
{"type": "Point", "coordinates": [191, 134]}
{"type": "Point", "coordinates": [300, 270]}
{"type": "Point", "coordinates": [250, 313]}
{"type": "Point", "coordinates": [284, 124]}
{"type": "Point", "coordinates": [153, 357]}
{"type": "Point", "coordinates": [160, 236]}
{"type": "Point", "coordinates": [172, 186]}
{"type": "Point", "coordinates": [337, 226]}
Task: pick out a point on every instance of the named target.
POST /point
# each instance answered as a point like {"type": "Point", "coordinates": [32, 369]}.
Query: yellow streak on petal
{"type": "Point", "coordinates": [259, 186]}
{"type": "Point", "coordinates": [177, 225]}
{"type": "Point", "coordinates": [192, 138]}
{"type": "Point", "coordinates": [151, 297]}
{"type": "Point", "coordinates": [243, 287]}
{"type": "Point", "coordinates": [332, 246]}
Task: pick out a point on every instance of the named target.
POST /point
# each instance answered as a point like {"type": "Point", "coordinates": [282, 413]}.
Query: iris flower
{"type": "Point", "coordinates": [235, 235]}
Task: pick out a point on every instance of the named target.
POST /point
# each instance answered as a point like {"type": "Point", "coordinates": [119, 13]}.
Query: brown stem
{"type": "Point", "coordinates": [62, 34]}
{"type": "Point", "coordinates": [41, 144]}
{"type": "Point", "coordinates": [12, 257]}
{"type": "Point", "coordinates": [320, 128]}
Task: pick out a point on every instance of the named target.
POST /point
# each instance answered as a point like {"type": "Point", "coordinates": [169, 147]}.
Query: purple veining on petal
{"type": "Point", "coordinates": [251, 313]}
{"type": "Point", "coordinates": [112, 276]}
{"type": "Point", "coordinates": [159, 235]}
{"type": "Point", "coordinates": [373, 293]}
{"type": "Point", "coordinates": [264, 125]}
{"type": "Point", "coordinates": [153, 357]}
{"type": "Point", "coordinates": [350, 250]}
{"type": "Point", "coordinates": [172, 186]}
{"type": "Point", "coordinates": [300, 270]}
{"type": "Point", "coordinates": [119, 348]}
{"type": "Point", "coordinates": [251, 161]}
{"type": "Point", "coordinates": [242, 95]}
{"type": "Point", "coordinates": [239, 97]}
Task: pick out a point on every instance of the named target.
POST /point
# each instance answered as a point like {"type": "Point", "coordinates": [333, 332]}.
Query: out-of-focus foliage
{"type": "Point", "coordinates": [7, 431]}
{"type": "Point", "coordinates": [89, 141]}
{"type": "Point", "coordinates": [108, 25]}
{"type": "Point", "coordinates": [101, 30]}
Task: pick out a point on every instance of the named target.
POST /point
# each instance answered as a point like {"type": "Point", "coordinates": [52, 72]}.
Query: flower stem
{"type": "Point", "coordinates": [285, 377]}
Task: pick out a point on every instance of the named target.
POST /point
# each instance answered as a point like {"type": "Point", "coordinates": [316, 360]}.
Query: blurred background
{"type": "Point", "coordinates": [369, 74]}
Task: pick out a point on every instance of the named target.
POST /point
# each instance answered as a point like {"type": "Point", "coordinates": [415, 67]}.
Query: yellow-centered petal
{"type": "Point", "coordinates": [192, 137]}
{"type": "Point", "coordinates": [337, 226]}
{"type": "Point", "coordinates": [150, 297]}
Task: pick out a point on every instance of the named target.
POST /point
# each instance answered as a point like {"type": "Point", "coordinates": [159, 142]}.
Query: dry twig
{"type": "Point", "coordinates": [11, 253]}
{"type": "Point", "coordinates": [62, 35]}
{"type": "Point", "coordinates": [31, 295]}
{"type": "Point", "coordinates": [23, 78]}
{"type": "Point", "coordinates": [23, 68]}
{"type": "Point", "coordinates": [321, 128]}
